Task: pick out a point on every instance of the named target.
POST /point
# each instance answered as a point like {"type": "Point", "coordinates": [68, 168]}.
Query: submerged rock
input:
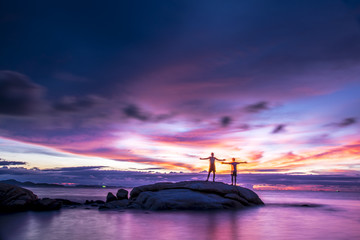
{"type": "Point", "coordinates": [189, 195]}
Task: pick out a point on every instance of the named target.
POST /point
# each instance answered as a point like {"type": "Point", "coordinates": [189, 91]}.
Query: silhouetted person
{"type": "Point", "coordinates": [233, 170]}
{"type": "Point", "coordinates": [212, 165]}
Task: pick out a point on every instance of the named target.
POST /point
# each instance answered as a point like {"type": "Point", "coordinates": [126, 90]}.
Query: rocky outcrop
{"type": "Point", "coordinates": [193, 195]}
{"type": "Point", "coordinates": [188, 195]}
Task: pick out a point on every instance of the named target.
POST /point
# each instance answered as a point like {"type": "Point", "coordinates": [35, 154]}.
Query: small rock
{"type": "Point", "coordinates": [122, 194]}
{"type": "Point", "coordinates": [110, 197]}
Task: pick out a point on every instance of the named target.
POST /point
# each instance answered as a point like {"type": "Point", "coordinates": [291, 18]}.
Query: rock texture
{"type": "Point", "coordinates": [192, 195]}
{"type": "Point", "coordinates": [117, 204]}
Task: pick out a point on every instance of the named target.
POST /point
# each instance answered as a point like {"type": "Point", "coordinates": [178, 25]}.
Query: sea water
{"type": "Point", "coordinates": [286, 215]}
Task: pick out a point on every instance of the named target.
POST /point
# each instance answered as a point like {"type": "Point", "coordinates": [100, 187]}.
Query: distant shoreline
{"type": "Point", "coordinates": [31, 184]}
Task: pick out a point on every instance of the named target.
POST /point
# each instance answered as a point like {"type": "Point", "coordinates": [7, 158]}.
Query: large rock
{"type": "Point", "coordinates": [13, 198]}
{"type": "Point", "coordinates": [193, 195]}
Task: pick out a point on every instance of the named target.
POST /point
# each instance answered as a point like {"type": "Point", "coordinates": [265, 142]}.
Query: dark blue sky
{"type": "Point", "coordinates": [116, 41]}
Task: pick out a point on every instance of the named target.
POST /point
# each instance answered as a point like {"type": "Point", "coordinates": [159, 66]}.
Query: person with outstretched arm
{"type": "Point", "coordinates": [212, 165]}
{"type": "Point", "coordinates": [233, 170]}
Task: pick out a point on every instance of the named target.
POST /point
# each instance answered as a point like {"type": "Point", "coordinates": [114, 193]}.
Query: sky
{"type": "Point", "coordinates": [148, 87]}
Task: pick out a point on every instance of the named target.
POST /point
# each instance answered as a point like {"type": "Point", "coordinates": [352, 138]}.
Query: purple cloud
{"type": "Point", "coordinates": [257, 107]}
{"type": "Point", "coordinates": [346, 122]}
{"type": "Point", "coordinates": [133, 111]}
{"type": "Point", "coordinates": [225, 121]}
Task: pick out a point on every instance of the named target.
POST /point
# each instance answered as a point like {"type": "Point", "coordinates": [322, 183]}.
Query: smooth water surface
{"type": "Point", "coordinates": [74, 194]}
{"type": "Point", "coordinates": [287, 215]}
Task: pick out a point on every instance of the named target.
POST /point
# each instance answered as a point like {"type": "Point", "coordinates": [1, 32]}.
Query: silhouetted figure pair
{"type": "Point", "coordinates": [233, 170]}
{"type": "Point", "coordinates": [212, 165]}
{"type": "Point", "coordinates": [213, 169]}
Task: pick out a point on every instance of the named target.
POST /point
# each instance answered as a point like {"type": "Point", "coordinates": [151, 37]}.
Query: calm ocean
{"type": "Point", "coordinates": [326, 215]}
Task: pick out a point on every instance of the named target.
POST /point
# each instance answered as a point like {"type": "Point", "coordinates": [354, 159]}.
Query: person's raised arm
{"type": "Point", "coordinates": [221, 160]}
{"type": "Point", "coordinates": [226, 162]}
{"type": "Point", "coordinates": [204, 158]}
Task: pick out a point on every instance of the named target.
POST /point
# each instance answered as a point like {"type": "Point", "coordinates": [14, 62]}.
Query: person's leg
{"type": "Point", "coordinates": [232, 177]}
{"type": "Point", "coordinates": [207, 179]}
{"type": "Point", "coordinates": [235, 179]}
{"type": "Point", "coordinates": [213, 176]}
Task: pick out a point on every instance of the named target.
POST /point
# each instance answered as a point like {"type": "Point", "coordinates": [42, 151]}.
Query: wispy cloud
{"type": "Point", "coordinates": [133, 111]}
{"type": "Point", "coordinates": [345, 122]}
{"type": "Point", "coordinates": [7, 163]}
{"type": "Point", "coordinates": [19, 96]}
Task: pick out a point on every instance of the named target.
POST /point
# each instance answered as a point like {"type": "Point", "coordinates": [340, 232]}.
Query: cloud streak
{"type": "Point", "coordinates": [80, 175]}
{"type": "Point", "coordinates": [346, 122]}
{"type": "Point", "coordinates": [7, 163]}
